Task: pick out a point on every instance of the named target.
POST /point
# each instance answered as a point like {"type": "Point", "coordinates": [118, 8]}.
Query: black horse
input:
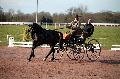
{"type": "Point", "coordinates": [42, 36]}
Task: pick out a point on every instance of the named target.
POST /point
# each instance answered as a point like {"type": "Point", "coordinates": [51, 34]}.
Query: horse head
{"type": "Point", "coordinates": [30, 28]}
{"type": "Point", "coordinates": [34, 27]}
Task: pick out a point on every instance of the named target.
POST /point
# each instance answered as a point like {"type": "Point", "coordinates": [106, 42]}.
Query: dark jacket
{"type": "Point", "coordinates": [88, 29]}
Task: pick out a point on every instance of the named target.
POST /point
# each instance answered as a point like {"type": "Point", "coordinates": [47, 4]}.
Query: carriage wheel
{"type": "Point", "coordinates": [93, 49]}
{"type": "Point", "coordinates": [70, 52]}
{"type": "Point", "coordinates": [79, 52]}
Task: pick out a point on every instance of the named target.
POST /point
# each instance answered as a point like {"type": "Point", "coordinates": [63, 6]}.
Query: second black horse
{"type": "Point", "coordinates": [42, 36]}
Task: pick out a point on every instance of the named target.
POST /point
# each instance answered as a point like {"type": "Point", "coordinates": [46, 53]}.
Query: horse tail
{"type": "Point", "coordinates": [60, 40]}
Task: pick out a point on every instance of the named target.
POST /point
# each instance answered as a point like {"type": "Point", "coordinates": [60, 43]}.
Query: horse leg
{"type": "Point", "coordinates": [53, 50]}
{"type": "Point", "coordinates": [31, 55]}
{"type": "Point", "coordinates": [32, 51]}
{"type": "Point", "coordinates": [48, 53]}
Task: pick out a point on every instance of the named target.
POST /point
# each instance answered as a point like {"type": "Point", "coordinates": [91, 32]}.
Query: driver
{"type": "Point", "coordinates": [75, 26]}
{"type": "Point", "coordinates": [75, 23]}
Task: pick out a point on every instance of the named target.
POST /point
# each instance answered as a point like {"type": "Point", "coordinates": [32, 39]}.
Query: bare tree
{"type": "Point", "coordinates": [80, 10]}
{"type": "Point", "coordinates": [20, 15]}
{"type": "Point", "coordinates": [1, 13]}
{"type": "Point", "coordinates": [11, 13]}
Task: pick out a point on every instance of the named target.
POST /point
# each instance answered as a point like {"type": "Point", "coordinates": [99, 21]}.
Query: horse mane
{"type": "Point", "coordinates": [37, 27]}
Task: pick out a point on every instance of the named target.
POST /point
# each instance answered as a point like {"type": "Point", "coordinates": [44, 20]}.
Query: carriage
{"type": "Point", "coordinates": [76, 46]}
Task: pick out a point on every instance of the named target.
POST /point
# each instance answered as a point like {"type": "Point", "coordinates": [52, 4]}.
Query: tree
{"type": "Point", "coordinates": [105, 17]}
{"type": "Point", "coordinates": [59, 18]}
{"type": "Point", "coordinates": [116, 17]}
{"type": "Point", "coordinates": [20, 16]}
{"type": "Point", "coordinates": [2, 15]}
{"type": "Point", "coordinates": [80, 10]}
{"type": "Point", "coordinates": [11, 14]}
{"type": "Point", "coordinates": [45, 17]}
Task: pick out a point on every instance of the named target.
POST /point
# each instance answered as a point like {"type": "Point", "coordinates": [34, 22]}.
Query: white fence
{"type": "Point", "coordinates": [15, 23]}
{"type": "Point", "coordinates": [57, 24]}
{"type": "Point", "coordinates": [105, 24]}
{"type": "Point", "coordinates": [115, 47]}
{"type": "Point", "coordinates": [12, 43]}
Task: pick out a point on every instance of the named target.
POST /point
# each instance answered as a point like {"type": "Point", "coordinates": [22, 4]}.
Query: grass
{"type": "Point", "coordinates": [107, 36]}
{"type": "Point", "coordinates": [13, 30]}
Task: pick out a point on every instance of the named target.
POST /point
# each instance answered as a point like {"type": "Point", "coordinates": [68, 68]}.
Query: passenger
{"type": "Point", "coordinates": [88, 29]}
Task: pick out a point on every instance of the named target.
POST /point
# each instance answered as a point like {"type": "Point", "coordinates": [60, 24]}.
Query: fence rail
{"type": "Point", "coordinates": [57, 24]}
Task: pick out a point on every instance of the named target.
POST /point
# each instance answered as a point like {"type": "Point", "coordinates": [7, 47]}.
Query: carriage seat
{"type": "Point", "coordinates": [66, 36]}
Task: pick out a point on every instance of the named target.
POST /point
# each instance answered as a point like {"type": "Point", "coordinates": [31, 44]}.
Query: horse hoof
{"type": "Point", "coordinates": [52, 59]}
{"type": "Point", "coordinates": [29, 59]}
{"type": "Point", "coordinates": [33, 56]}
{"type": "Point", "coordinates": [44, 59]}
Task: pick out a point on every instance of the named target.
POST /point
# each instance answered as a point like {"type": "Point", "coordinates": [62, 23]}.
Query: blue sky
{"type": "Point", "coordinates": [59, 6]}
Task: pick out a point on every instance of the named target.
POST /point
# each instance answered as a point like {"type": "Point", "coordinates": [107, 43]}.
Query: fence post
{"type": "Point", "coordinates": [11, 40]}
{"type": "Point", "coordinates": [8, 37]}
{"type": "Point", "coordinates": [46, 25]}
{"type": "Point", "coordinates": [55, 25]}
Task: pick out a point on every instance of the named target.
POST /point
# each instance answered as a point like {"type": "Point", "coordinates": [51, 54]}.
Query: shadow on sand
{"type": "Point", "coordinates": [110, 61]}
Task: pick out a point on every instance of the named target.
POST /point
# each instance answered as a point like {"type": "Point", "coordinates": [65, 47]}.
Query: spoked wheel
{"type": "Point", "coordinates": [93, 49]}
{"type": "Point", "coordinates": [79, 52]}
{"type": "Point", "coordinates": [59, 53]}
{"type": "Point", "coordinates": [70, 52]}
